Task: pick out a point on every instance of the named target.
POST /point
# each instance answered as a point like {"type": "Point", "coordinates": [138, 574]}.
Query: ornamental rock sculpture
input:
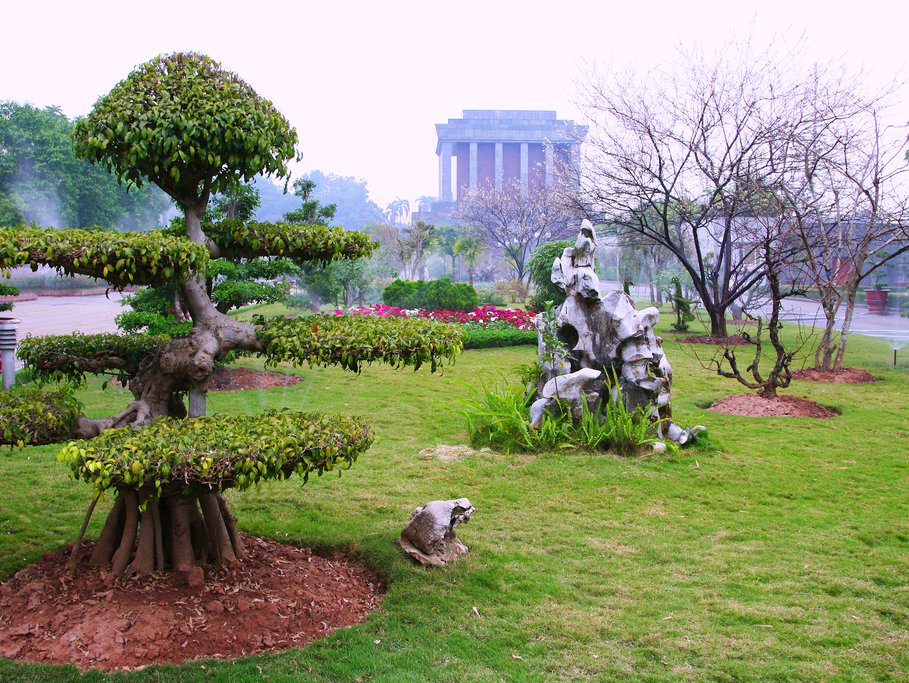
{"type": "Point", "coordinates": [603, 343]}
{"type": "Point", "coordinates": [430, 538]}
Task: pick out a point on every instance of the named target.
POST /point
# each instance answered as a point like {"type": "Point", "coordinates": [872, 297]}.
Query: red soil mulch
{"type": "Point", "coordinates": [278, 597]}
{"type": "Point", "coordinates": [844, 376]}
{"type": "Point", "coordinates": [753, 405]}
{"type": "Point", "coordinates": [711, 339]}
{"type": "Point", "coordinates": [238, 379]}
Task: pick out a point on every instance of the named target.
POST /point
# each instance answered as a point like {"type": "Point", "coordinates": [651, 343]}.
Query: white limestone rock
{"type": "Point", "coordinates": [430, 537]}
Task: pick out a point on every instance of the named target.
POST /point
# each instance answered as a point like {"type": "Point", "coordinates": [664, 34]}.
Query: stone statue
{"type": "Point", "coordinates": [430, 538]}
{"type": "Point", "coordinates": [606, 342]}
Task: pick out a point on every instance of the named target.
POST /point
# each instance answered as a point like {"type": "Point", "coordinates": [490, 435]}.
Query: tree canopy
{"type": "Point", "coordinates": [185, 124]}
{"type": "Point", "coordinates": [42, 180]}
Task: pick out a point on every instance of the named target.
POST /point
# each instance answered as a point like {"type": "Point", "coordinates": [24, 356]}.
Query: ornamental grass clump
{"type": "Point", "coordinates": [498, 418]}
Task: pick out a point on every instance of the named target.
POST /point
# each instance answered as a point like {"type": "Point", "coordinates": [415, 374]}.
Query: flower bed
{"type": "Point", "coordinates": [484, 316]}
{"type": "Point", "coordinates": [486, 326]}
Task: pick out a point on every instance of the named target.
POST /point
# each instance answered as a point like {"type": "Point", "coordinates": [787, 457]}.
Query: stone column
{"type": "Point", "coordinates": [525, 164]}
{"type": "Point", "coordinates": [445, 172]}
{"type": "Point", "coordinates": [576, 162]}
{"type": "Point", "coordinates": [473, 166]}
{"type": "Point", "coordinates": [500, 168]}
{"type": "Point", "coordinates": [548, 152]}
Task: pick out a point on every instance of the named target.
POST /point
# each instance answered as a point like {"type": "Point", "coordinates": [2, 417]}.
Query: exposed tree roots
{"type": "Point", "coordinates": [143, 534]}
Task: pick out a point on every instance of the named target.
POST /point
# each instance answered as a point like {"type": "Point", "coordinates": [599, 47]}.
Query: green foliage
{"type": "Point", "coordinates": [487, 297]}
{"type": "Point", "coordinates": [185, 124]}
{"type": "Point", "coordinates": [69, 357]}
{"type": "Point", "coordinates": [352, 341]}
{"type": "Point", "coordinates": [140, 258]}
{"type": "Point", "coordinates": [7, 290]}
{"type": "Point", "coordinates": [239, 201]}
{"type": "Point", "coordinates": [171, 456]}
{"type": "Point", "coordinates": [152, 313]}
{"type": "Point", "coordinates": [42, 180]}
{"type": "Point", "coordinates": [312, 211]}
{"type": "Point", "coordinates": [498, 418]}
{"type": "Point", "coordinates": [230, 294]}
{"type": "Point", "coordinates": [147, 322]}
{"type": "Point", "coordinates": [681, 306]}
{"type": "Point", "coordinates": [627, 430]}
{"type": "Point", "coordinates": [288, 240]}
{"type": "Point", "coordinates": [491, 337]}
{"type": "Point", "coordinates": [432, 295]}
{"type": "Point", "coordinates": [35, 416]}
{"type": "Point", "coordinates": [540, 269]}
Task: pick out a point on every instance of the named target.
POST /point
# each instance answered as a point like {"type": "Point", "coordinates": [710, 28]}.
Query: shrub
{"type": "Point", "coordinates": [487, 297]}
{"type": "Point", "coordinates": [35, 416]}
{"type": "Point", "coordinates": [7, 290]}
{"type": "Point", "coordinates": [492, 337]}
{"type": "Point", "coordinates": [540, 269]}
{"type": "Point", "coordinates": [440, 294]}
{"type": "Point", "coordinates": [170, 455]}
{"type": "Point", "coordinates": [516, 291]}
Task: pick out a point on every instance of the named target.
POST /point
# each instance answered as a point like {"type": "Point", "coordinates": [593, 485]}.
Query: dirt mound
{"type": "Point", "coordinates": [844, 376]}
{"type": "Point", "coordinates": [752, 405]}
{"type": "Point", "coordinates": [711, 339]}
{"type": "Point", "coordinates": [278, 597]}
{"type": "Point", "coordinates": [238, 379]}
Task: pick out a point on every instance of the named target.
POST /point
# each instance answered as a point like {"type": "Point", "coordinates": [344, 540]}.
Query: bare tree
{"type": "Point", "coordinates": [670, 156]}
{"type": "Point", "coordinates": [848, 198]}
{"type": "Point", "coordinates": [516, 221]}
{"type": "Point", "coordinates": [775, 236]}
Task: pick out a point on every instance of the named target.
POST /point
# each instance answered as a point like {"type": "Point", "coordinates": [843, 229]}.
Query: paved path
{"type": "Point", "coordinates": [65, 314]}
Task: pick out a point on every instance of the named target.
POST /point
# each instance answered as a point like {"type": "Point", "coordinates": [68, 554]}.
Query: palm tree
{"type": "Point", "coordinates": [470, 248]}
{"type": "Point", "coordinates": [398, 211]}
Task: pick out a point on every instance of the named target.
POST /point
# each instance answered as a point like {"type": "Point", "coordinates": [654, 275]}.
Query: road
{"type": "Point", "coordinates": [893, 327]}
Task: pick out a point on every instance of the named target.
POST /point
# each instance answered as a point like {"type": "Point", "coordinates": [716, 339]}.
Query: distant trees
{"type": "Point", "coordinates": [515, 222]}
{"type": "Point", "coordinates": [42, 180]}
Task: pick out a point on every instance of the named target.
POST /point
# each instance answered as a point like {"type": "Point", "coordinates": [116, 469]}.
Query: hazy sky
{"type": "Point", "coordinates": [365, 82]}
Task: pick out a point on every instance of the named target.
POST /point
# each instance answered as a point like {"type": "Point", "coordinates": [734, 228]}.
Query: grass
{"type": "Point", "coordinates": [778, 551]}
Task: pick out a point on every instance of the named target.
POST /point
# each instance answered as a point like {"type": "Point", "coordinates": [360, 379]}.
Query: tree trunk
{"type": "Point", "coordinates": [847, 325]}
{"type": "Point", "coordinates": [823, 355]}
{"type": "Point", "coordinates": [138, 541]}
{"type": "Point", "coordinates": [717, 321]}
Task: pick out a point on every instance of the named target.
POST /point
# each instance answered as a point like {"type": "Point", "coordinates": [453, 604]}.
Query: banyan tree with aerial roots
{"type": "Point", "coordinates": [193, 129]}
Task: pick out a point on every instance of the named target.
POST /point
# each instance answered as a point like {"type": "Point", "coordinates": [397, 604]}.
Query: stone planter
{"type": "Point", "coordinates": [877, 300]}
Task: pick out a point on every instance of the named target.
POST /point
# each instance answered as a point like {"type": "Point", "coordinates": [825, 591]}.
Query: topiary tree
{"type": "Point", "coordinates": [183, 123]}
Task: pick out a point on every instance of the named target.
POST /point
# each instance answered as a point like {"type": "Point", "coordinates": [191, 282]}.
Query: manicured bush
{"type": "Point", "coordinates": [34, 416]}
{"type": "Point", "coordinates": [351, 341]}
{"type": "Point", "coordinates": [493, 337]}
{"type": "Point", "coordinates": [172, 456]}
{"type": "Point", "coordinates": [69, 357]}
{"type": "Point", "coordinates": [7, 290]}
{"type": "Point", "coordinates": [440, 294]}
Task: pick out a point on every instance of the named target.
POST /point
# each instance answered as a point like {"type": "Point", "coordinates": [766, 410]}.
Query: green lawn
{"type": "Point", "coordinates": [779, 551]}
